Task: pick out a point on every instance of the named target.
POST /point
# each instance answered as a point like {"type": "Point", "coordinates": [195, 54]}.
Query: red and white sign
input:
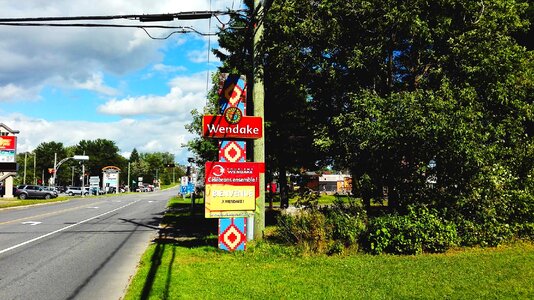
{"type": "Point", "coordinates": [8, 143]}
{"type": "Point", "coordinates": [237, 174]}
{"type": "Point", "coordinates": [249, 127]}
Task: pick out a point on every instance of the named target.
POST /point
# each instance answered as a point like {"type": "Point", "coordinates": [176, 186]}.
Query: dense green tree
{"type": "Point", "coordinates": [288, 119]}
{"type": "Point", "coordinates": [102, 153]}
{"type": "Point", "coordinates": [424, 100]}
{"type": "Point", "coordinates": [134, 156]}
{"type": "Point", "coordinates": [45, 154]}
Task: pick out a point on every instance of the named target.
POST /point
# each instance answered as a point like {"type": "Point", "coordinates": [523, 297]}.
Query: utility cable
{"type": "Point", "coordinates": [182, 29]}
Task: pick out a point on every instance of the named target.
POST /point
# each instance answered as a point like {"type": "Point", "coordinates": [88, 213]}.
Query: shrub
{"type": "Point", "coordinates": [346, 221]}
{"type": "Point", "coordinates": [306, 229]}
{"type": "Point", "coordinates": [492, 207]}
{"type": "Point", "coordinates": [329, 229]}
{"type": "Point", "coordinates": [421, 230]}
{"type": "Point", "coordinates": [490, 232]}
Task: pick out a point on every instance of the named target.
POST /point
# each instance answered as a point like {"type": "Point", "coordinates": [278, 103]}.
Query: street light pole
{"type": "Point", "coordinates": [56, 166]}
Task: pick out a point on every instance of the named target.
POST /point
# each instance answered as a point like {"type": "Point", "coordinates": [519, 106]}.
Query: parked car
{"type": "Point", "coordinates": [96, 191]}
{"type": "Point", "coordinates": [52, 189]}
{"type": "Point", "coordinates": [34, 191]}
{"type": "Point", "coordinates": [76, 190]}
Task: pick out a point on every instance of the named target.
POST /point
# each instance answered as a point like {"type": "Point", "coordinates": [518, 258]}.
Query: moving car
{"type": "Point", "coordinates": [34, 191]}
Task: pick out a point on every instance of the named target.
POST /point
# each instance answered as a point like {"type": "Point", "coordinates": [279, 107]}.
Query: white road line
{"type": "Point", "coordinates": [31, 223]}
{"type": "Point", "coordinates": [64, 228]}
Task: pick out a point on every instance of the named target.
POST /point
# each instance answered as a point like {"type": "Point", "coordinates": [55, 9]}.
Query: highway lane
{"type": "Point", "coordinates": [80, 249]}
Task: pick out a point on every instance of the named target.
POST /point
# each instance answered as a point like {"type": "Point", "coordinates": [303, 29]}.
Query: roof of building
{"type": "Point", "coordinates": [2, 125]}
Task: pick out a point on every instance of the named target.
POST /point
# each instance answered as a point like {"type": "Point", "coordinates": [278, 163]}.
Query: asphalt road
{"type": "Point", "coordinates": [86, 248]}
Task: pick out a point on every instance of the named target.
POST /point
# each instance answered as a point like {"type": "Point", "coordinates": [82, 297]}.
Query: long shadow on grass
{"type": "Point", "coordinates": [183, 227]}
{"type": "Point", "coordinates": [187, 227]}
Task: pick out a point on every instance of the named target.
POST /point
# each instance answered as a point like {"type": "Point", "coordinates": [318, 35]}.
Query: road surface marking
{"type": "Point", "coordinates": [47, 214]}
{"type": "Point", "coordinates": [31, 223]}
{"type": "Point", "coordinates": [64, 228]}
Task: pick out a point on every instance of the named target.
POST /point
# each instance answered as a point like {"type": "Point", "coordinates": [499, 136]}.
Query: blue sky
{"type": "Point", "coordinates": [70, 84]}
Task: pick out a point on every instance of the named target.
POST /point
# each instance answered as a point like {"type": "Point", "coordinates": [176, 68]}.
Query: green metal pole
{"type": "Point", "coordinates": [259, 144]}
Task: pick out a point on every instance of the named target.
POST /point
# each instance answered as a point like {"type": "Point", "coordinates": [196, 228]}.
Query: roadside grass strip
{"type": "Point", "coordinates": [185, 264]}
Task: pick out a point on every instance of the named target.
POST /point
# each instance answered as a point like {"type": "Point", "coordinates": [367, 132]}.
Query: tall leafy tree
{"type": "Point", "coordinates": [401, 84]}
{"type": "Point", "coordinates": [101, 153]}
{"type": "Point", "coordinates": [45, 154]}
{"type": "Point", "coordinates": [288, 116]}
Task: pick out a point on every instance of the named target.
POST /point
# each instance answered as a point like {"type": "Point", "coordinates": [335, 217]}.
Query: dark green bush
{"type": "Point", "coordinates": [495, 208]}
{"type": "Point", "coordinates": [486, 233]}
{"type": "Point", "coordinates": [346, 221]}
{"type": "Point", "coordinates": [421, 230]}
{"type": "Point", "coordinates": [305, 229]}
{"type": "Point", "coordinates": [329, 229]}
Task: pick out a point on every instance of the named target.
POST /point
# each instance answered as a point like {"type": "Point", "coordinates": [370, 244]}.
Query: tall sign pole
{"type": "Point", "coordinates": [258, 100]}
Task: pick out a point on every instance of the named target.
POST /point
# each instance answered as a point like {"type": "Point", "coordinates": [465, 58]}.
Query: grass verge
{"type": "Point", "coordinates": [184, 263]}
{"type": "Point", "coordinates": [5, 203]}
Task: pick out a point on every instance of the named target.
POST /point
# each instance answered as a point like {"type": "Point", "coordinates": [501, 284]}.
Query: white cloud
{"type": "Point", "coordinates": [34, 60]}
{"type": "Point", "coordinates": [186, 93]}
{"type": "Point", "coordinates": [165, 134]}
{"type": "Point", "coordinates": [168, 69]}
{"type": "Point", "coordinates": [11, 93]}
{"type": "Point", "coordinates": [31, 56]}
{"type": "Point", "coordinates": [96, 84]}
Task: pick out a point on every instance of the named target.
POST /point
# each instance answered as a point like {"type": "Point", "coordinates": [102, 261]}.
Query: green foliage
{"type": "Point", "coordinates": [101, 153]}
{"type": "Point", "coordinates": [305, 229]}
{"type": "Point", "coordinates": [496, 209]}
{"type": "Point", "coordinates": [381, 88]}
{"type": "Point", "coordinates": [421, 230]}
{"type": "Point", "coordinates": [346, 221]}
{"type": "Point", "coordinates": [328, 229]}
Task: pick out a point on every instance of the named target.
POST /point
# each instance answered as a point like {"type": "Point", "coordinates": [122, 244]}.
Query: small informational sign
{"type": "Point", "coordinates": [94, 181]}
{"type": "Point", "coordinates": [231, 188]}
{"type": "Point", "coordinates": [218, 126]}
{"type": "Point", "coordinates": [222, 197]}
{"type": "Point", "coordinates": [184, 180]}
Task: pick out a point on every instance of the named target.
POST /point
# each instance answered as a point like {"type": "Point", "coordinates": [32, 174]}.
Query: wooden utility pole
{"type": "Point", "coordinates": [258, 99]}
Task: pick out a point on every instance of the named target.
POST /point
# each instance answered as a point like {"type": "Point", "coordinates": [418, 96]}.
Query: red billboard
{"type": "Point", "coordinates": [248, 127]}
{"type": "Point", "coordinates": [8, 143]}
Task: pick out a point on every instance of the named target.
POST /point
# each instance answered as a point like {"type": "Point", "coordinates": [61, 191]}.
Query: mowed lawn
{"type": "Point", "coordinates": [189, 266]}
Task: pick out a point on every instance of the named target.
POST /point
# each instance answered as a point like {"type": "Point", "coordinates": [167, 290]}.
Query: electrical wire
{"type": "Point", "coordinates": [192, 15]}
{"type": "Point", "coordinates": [183, 29]}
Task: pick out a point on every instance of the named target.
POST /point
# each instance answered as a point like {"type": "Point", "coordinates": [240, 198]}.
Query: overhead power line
{"type": "Point", "coordinates": [192, 15]}
{"type": "Point", "coordinates": [181, 29]}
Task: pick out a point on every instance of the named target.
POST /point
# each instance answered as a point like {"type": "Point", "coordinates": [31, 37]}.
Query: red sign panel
{"type": "Point", "coordinates": [238, 173]}
{"type": "Point", "coordinates": [8, 142]}
{"type": "Point", "coordinates": [249, 127]}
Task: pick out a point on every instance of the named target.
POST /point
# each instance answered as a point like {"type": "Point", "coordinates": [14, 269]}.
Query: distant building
{"type": "Point", "coordinates": [335, 183]}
